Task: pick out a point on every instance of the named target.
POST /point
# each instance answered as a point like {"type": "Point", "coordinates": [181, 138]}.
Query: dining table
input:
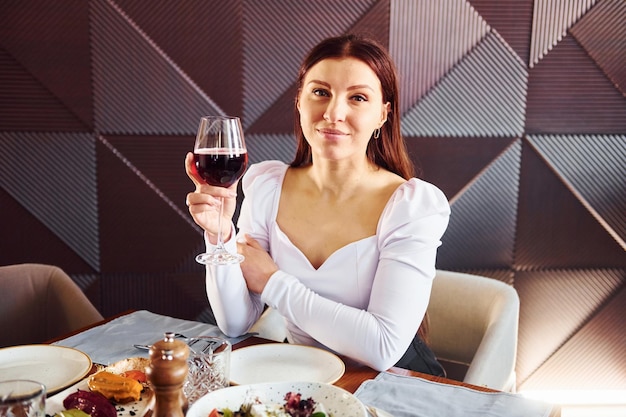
{"type": "Point", "coordinates": [113, 339]}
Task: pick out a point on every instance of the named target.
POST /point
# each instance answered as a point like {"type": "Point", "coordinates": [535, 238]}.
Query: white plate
{"type": "Point", "coordinates": [54, 404]}
{"type": "Point", "coordinates": [336, 401]}
{"type": "Point", "coordinates": [278, 362]}
{"type": "Point", "coordinates": [56, 367]}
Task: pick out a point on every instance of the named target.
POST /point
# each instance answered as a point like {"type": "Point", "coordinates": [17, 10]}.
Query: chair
{"type": "Point", "coordinates": [473, 324]}
{"type": "Point", "coordinates": [40, 302]}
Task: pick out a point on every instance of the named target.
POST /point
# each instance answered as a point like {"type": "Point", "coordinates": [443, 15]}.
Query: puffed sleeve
{"type": "Point", "coordinates": [409, 233]}
{"type": "Point", "coordinates": [234, 307]}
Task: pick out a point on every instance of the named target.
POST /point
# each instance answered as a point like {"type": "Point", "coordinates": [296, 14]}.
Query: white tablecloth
{"type": "Point", "coordinates": [113, 341]}
{"type": "Point", "coordinates": [403, 396]}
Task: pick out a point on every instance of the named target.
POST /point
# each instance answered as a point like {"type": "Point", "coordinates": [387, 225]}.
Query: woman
{"type": "Point", "coordinates": [343, 241]}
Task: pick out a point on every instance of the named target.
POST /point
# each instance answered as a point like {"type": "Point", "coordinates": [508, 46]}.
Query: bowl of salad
{"type": "Point", "coordinates": [279, 399]}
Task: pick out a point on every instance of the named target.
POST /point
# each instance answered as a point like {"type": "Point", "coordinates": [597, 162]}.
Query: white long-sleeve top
{"type": "Point", "coordinates": [366, 301]}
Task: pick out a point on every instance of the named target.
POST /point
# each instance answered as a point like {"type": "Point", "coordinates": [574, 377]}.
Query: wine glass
{"type": "Point", "coordinates": [221, 159]}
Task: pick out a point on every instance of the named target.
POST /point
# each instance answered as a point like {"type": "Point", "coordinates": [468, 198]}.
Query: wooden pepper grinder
{"type": "Point", "coordinates": [166, 375]}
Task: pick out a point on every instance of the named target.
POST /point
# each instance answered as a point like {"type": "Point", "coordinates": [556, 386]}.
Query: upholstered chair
{"type": "Point", "coordinates": [39, 303]}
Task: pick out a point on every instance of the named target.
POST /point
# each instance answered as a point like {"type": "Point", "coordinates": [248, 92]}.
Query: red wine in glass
{"type": "Point", "coordinates": [221, 159]}
{"type": "Point", "coordinates": [221, 167]}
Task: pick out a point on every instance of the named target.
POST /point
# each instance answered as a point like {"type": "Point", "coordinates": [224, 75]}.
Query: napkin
{"type": "Point", "coordinates": [113, 341]}
{"type": "Point", "coordinates": [404, 396]}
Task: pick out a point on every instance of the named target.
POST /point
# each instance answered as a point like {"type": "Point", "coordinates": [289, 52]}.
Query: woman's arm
{"type": "Point", "coordinates": [408, 237]}
{"type": "Point", "coordinates": [234, 306]}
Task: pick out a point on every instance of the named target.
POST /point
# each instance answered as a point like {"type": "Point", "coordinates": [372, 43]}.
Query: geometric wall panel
{"type": "Point", "coordinates": [555, 229]}
{"type": "Point", "coordinates": [551, 19]}
{"type": "Point", "coordinates": [597, 351]}
{"type": "Point", "coordinates": [262, 147]}
{"type": "Point", "coordinates": [557, 304]}
{"type": "Point", "coordinates": [24, 238]}
{"type": "Point", "coordinates": [161, 167]}
{"type": "Point", "coordinates": [427, 39]}
{"type": "Point", "coordinates": [132, 213]}
{"type": "Point", "coordinates": [567, 93]}
{"type": "Point", "coordinates": [512, 19]}
{"type": "Point", "coordinates": [599, 177]}
{"type": "Point", "coordinates": [137, 88]}
{"type": "Point", "coordinates": [481, 233]}
{"type": "Point", "coordinates": [53, 176]}
{"type": "Point", "coordinates": [484, 95]}
{"type": "Point", "coordinates": [453, 163]}
{"type": "Point", "coordinates": [36, 34]}
{"type": "Point", "coordinates": [275, 43]}
{"type": "Point", "coordinates": [202, 38]}
{"type": "Point", "coordinates": [607, 47]}
{"type": "Point", "coordinates": [46, 108]}
{"type": "Point", "coordinates": [147, 290]}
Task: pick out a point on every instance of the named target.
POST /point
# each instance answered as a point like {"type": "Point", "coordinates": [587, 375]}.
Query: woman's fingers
{"type": "Point", "coordinates": [202, 199]}
{"type": "Point", "coordinates": [192, 172]}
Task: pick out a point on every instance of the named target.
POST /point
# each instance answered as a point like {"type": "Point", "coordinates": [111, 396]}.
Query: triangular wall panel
{"type": "Point", "coordinates": [551, 19]}
{"type": "Point", "coordinates": [427, 39]}
{"type": "Point", "coordinates": [162, 166]}
{"type": "Point", "coordinates": [607, 46]}
{"type": "Point", "coordinates": [481, 233]}
{"type": "Point", "coordinates": [35, 33]}
{"type": "Point", "coordinates": [201, 40]}
{"type": "Point", "coordinates": [484, 95]}
{"type": "Point", "coordinates": [53, 175]}
{"type": "Point", "coordinates": [452, 163]}
{"type": "Point", "coordinates": [567, 94]}
{"type": "Point", "coordinates": [25, 239]}
{"type": "Point", "coordinates": [598, 180]}
{"type": "Point", "coordinates": [45, 110]}
{"type": "Point", "coordinates": [555, 303]}
{"type": "Point", "coordinates": [131, 212]}
{"type": "Point", "coordinates": [137, 88]}
{"type": "Point", "coordinates": [512, 19]}
{"type": "Point", "coordinates": [555, 230]}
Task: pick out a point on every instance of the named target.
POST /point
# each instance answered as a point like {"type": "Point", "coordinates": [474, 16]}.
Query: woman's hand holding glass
{"type": "Point", "coordinates": [220, 160]}
{"type": "Point", "coordinates": [204, 203]}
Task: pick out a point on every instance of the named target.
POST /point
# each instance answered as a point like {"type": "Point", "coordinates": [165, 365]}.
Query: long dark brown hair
{"type": "Point", "coordinates": [389, 150]}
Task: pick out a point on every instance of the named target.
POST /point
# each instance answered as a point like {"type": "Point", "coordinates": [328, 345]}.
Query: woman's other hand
{"type": "Point", "coordinates": [257, 266]}
{"type": "Point", "coordinates": [204, 203]}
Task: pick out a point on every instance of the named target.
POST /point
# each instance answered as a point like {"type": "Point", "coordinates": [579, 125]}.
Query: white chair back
{"type": "Point", "coordinates": [474, 322]}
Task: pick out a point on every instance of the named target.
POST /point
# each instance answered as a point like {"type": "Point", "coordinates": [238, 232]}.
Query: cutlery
{"type": "Point", "coordinates": [147, 347]}
{"type": "Point", "coordinates": [142, 347]}
{"type": "Point", "coordinates": [372, 410]}
{"type": "Point", "coordinates": [377, 412]}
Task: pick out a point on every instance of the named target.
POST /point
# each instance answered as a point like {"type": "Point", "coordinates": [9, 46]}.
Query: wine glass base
{"type": "Point", "coordinates": [219, 258]}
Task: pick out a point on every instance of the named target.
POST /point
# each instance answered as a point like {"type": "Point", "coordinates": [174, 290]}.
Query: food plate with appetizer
{"type": "Point", "coordinates": [56, 367]}
{"type": "Point", "coordinates": [279, 399]}
{"type": "Point", "coordinates": [119, 390]}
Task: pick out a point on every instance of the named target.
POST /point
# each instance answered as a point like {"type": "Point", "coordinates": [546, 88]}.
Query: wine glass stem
{"type": "Point", "coordinates": [220, 243]}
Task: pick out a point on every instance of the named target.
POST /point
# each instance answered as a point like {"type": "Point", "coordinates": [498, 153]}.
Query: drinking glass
{"type": "Point", "coordinates": [209, 366]}
{"type": "Point", "coordinates": [221, 159]}
{"type": "Point", "coordinates": [22, 398]}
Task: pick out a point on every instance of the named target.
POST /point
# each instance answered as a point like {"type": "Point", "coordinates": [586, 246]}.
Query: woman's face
{"type": "Point", "coordinates": [340, 105]}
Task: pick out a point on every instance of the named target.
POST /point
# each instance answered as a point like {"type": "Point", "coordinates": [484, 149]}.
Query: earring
{"type": "Point", "coordinates": [377, 133]}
